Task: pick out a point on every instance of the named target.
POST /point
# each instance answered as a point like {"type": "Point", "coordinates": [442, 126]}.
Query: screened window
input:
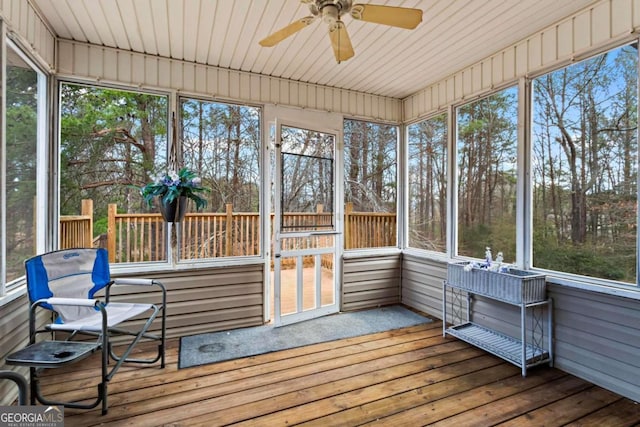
{"type": "Point", "coordinates": [585, 163]}
{"type": "Point", "coordinates": [221, 143]}
{"type": "Point", "coordinates": [370, 184]}
{"type": "Point", "coordinates": [22, 198]}
{"type": "Point", "coordinates": [112, 142]}
{"type": "Point", "coordinates": [487, 171]}
{"type": "Point", "coordinates": [427, 184]}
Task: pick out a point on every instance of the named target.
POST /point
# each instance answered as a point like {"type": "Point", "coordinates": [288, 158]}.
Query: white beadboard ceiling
{"type": "Point", "coordinates": [388, 61]}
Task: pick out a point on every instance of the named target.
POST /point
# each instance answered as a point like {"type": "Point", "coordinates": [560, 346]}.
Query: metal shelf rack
{"type": "Point", "coordinates": [534, 347]}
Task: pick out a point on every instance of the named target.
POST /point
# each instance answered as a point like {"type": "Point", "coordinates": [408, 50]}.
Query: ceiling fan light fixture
{"type": "Point", "coordinates": [330, 14]}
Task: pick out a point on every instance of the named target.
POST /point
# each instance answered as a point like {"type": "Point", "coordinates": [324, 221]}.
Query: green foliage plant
{"type": "Point", "coordinates": [171, 185]}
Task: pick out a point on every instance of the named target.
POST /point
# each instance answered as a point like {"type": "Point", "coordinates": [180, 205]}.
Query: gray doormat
{"type": "Point", "coordinates": [218, 346]}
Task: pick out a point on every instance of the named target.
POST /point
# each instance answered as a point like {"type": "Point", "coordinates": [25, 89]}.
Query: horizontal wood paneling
{"type": "Point", "coordinates": [80, 60]}
{"type": "Point", "coordinates": [14, 334]}
{"type": "Point", "coordinates": [206, 300]}
{"type": "Point", "coordinates": [29, 30]}
{"type": "Point", "coordinates": [596, 336]}
{"type": "Point", "coordinates": [370, 281]}
{"type": "Point", "coordinates": [422, 284]}
{"type": "Point", "coordinates": [599, 26]}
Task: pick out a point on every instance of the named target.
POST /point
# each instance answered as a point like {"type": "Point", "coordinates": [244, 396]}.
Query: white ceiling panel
{"type": "Point", "coordinates": [388, 61]}
{"type": "Point", "coordinates": [86, 26]}
{"type": "Point", "coordinates": [124, 23]}
{"type": "Point", "coordinates": [111, 22]}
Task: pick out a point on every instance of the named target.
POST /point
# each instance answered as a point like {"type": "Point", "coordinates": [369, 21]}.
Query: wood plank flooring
{"type": "Point", "coordinates": [406, 377]}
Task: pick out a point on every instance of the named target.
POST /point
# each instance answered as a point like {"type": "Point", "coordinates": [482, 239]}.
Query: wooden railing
{"type": "Point", "coordinates": [143, 237]}
{"type": "Point", "coordinates": [77, 231]}
{"type": "Point", "coordinates": [209, 235]}
{"type": "Point", "coordinates": [369, 229]}
{"type": "Point", "coordinates": [135, 237]}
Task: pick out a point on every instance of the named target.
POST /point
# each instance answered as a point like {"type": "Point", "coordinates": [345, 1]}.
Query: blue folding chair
{"type": "Point", "coordinates": [66, 282]}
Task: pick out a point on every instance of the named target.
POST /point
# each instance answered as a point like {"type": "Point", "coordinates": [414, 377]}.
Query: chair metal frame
{"type": "Point", "coordinates": [20, 381]}
{"type": "Point", "coordinates": [43, 354]}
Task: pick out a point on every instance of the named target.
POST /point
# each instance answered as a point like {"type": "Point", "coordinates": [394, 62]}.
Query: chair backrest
{"type": "Point", "coordinates": [69, 273]}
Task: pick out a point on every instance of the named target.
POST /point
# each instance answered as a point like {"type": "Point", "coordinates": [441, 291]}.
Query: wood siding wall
{"type": "Point", "coordinates": [599, 26]}
{"type": "Point", "coordinates": [29, 30]}
{"type": "Point", "coordinates": [370, 281]}
{"type": "Point", "coordinates": [596, 336]}
{"type": "Point", "coordinates": [14, 334]}
{"type": "Point", "coordinates": [422, 284]}
{"type": "Point", "coordinates": [208, 300]}
{"type": "Point", "coordinates": [79, 60]}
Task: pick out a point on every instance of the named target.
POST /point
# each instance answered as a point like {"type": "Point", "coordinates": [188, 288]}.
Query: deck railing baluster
{"type": "Point", "coordinates": [134, 237]}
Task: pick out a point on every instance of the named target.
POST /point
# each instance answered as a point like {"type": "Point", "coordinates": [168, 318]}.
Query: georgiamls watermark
{"type": "Point", "coordinates": [31, 416]}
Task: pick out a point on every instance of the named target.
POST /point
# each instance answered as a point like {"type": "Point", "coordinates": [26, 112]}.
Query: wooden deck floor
{"type": "Point", "coordinates": [406, 377]}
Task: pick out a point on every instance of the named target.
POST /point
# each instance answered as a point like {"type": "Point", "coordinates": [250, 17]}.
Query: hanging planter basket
{"type": "Point", "coordinates": [174, 211]}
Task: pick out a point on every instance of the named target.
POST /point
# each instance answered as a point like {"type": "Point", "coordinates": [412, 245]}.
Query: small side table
{"type": "Point", "coordinates": [55, 354]}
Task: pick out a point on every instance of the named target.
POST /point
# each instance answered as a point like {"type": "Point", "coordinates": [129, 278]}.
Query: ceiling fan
{"type": "Point", "coordinates": [331, 12]}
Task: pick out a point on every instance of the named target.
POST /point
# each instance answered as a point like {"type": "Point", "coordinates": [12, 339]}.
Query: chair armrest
{"type": "Point", "coordinates": [138, 281]}
{"type": "Point", "coordinates": [80, 302]}
{"type": "Point", "coordinates": [143, 282]}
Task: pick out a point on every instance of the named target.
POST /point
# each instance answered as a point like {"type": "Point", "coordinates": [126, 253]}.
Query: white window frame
{"type": "Point", "coordinates": [42, 154]}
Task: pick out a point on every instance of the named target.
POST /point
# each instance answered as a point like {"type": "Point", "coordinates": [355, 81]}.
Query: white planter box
{"type": "Point", "coordinates": [513, 286]}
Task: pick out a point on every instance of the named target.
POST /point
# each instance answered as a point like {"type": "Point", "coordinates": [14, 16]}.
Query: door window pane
{"type": "Point", "coordinates": [307, 180]}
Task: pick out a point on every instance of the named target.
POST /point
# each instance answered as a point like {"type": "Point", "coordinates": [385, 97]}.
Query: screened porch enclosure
{"type": "Point", "coordinates": [510, 125]}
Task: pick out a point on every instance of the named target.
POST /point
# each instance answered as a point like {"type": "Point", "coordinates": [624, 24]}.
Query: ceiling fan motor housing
{"type": "Point", "coordinates": [330, 10]}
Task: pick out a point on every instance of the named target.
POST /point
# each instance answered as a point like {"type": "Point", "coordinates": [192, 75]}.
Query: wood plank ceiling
{"type": "Point", "coordinates": [388, 61]}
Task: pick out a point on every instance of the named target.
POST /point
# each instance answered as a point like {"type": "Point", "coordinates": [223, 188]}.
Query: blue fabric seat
{"type": "Point", "coordinates": [68, 282]}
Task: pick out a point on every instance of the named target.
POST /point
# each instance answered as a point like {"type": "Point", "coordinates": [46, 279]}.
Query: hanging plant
{"type": "Point", "coordinates": [173, 190]}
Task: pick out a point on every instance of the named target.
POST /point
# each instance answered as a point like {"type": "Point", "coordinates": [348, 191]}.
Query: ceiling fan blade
{"type": "Point", "coordinates": [287, 31]}
{"type": "Point", "coordinates": [340, 41]}
{"type": "Point", "coordinates": [401, 17]}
